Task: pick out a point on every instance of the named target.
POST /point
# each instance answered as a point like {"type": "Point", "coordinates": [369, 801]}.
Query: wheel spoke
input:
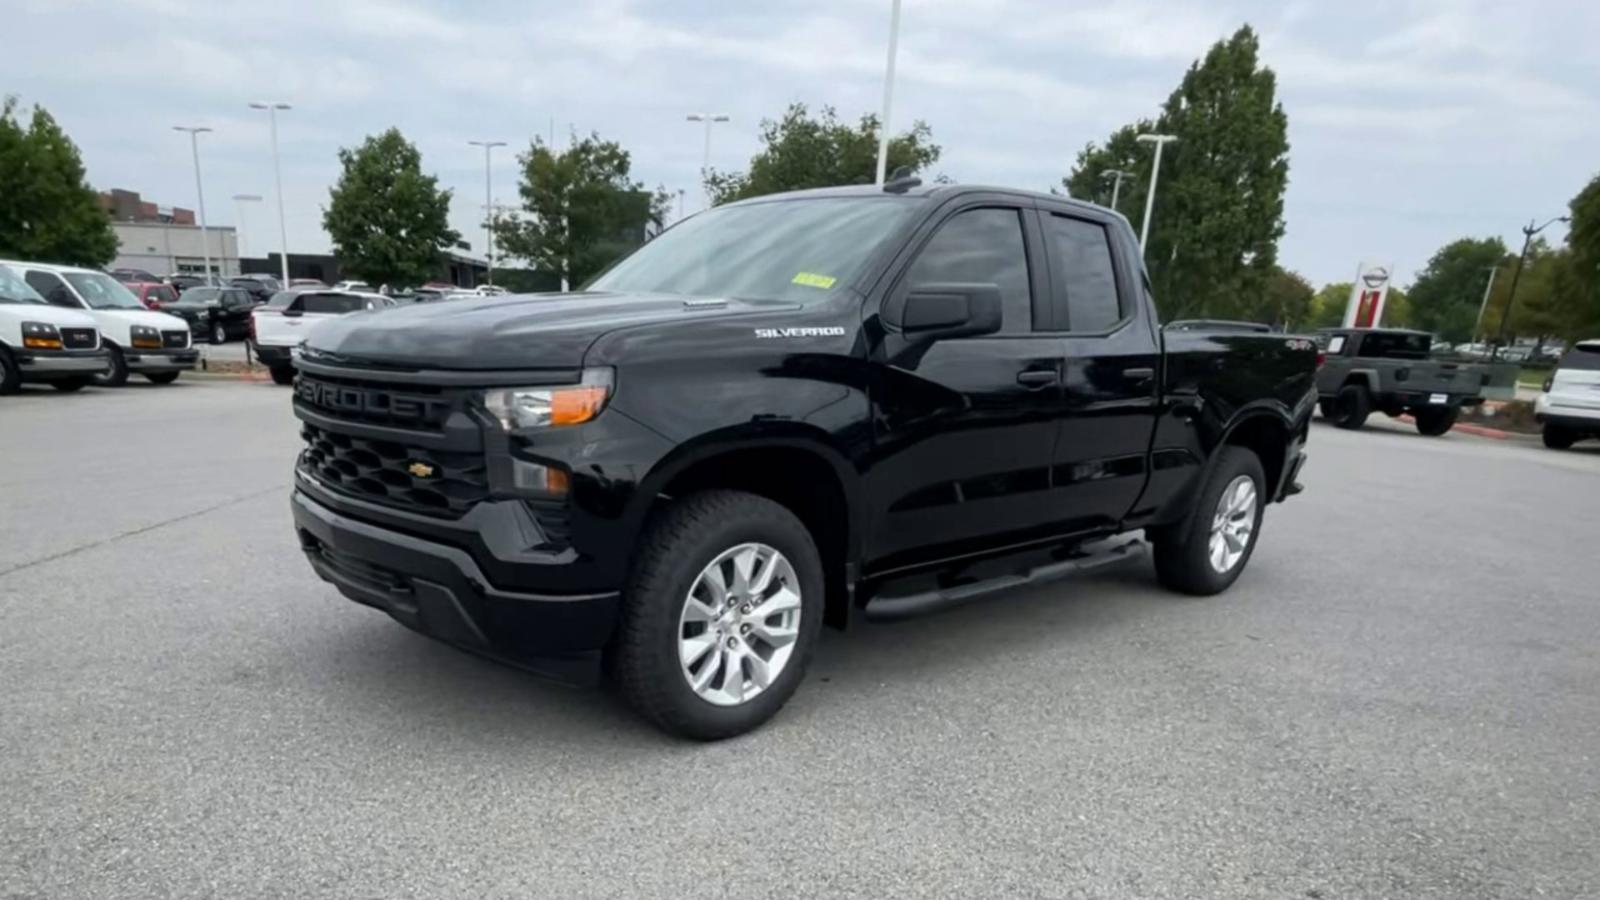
{"type": "Point", "coordinates": [1219, 553]}
{"type": "Point", "coordinates": [775, 635]}
{"type": "Point", "coordinates": [771, 564]}
{"type": "Point", "coordinates": [701, 680]}
{"type": "Point", "coordinates": [716, 587]}
{"type": "Point", "coordinates": [744, 564]}
{"type": "Point", "coordinates": [760, 670]}
{"type": "Point", "coordinates": [733, 676]}
{"type": "Point", "coordinates": [781, 602]}
{"type": "Point", "coordinates": [697, 610]}
{"type": "Point", "coordinates": [691, 649]}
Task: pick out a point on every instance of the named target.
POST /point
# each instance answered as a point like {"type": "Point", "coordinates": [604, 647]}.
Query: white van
{"type": "Point", "coordinates": [137, 340]}
{"type": "Point", "coordinates": [1569, 408]}
{"type": "Point", "coordinates": [40, 343]}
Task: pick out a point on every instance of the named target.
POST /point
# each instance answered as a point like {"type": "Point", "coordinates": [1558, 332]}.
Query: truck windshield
{"type": "Point", "coordinates": [14, 290]}
{"type": "Point", "coordinates": [101, 291]}
{"type": "Point", "coordinates": [799, 249]}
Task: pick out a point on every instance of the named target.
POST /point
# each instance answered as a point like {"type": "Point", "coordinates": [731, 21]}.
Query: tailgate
{"type": "Point", "coordinates": [1575, 389]}
{"type": "Point", "coordinates": [277, 329]}
{"type": "Point", "coordinates": [1441, 378]}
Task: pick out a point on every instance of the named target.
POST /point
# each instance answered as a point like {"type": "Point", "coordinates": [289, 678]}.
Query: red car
{"type": "Point", "coordinates": [152, 294]}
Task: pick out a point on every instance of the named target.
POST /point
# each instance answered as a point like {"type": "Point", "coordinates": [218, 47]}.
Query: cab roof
{"type": "Point", "coordinates": [933, 191]}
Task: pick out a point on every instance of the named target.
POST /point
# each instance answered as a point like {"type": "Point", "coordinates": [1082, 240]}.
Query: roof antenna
{"type": "Point", "coordinates": [901, 181]}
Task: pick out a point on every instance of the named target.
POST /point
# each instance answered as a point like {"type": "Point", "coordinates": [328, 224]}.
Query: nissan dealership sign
{"type": "Point", "coordinates": [1367, 295]}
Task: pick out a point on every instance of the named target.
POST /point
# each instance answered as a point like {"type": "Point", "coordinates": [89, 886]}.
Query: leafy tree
{"type": "Point", "coordinates": [1581, 318]}
{"type": "Point", "coordinates": [582, 210]}
{"type": "Point", "coordinates": [1219, 203]}
{"type": "Point", "coordinates": [48, 212]}
{"type": "Point", "coordinates": [388, 221]}
{"type": "Point", "coordinates": [802, 151]}
{"type": "Point", "coordinates": [1092, 176]}
{"type": "Point", "coordinates": [1328, 306]}
{"type": "Point", "coordinates": [1447, 293]}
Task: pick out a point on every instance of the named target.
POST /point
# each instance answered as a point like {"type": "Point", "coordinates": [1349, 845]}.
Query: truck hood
{"type": "Point", "coordinates": [52, 315]}
{"type": "Point", "coordinates": [517, 331]}
{"type": "Point", "coordinates": [130, 317]}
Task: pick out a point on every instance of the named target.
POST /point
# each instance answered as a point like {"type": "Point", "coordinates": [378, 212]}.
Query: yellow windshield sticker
{"type": "Point", "coordinates": [812, 279]}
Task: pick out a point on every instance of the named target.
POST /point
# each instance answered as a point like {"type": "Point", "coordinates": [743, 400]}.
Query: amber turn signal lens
{"type": "Point", "coordinates": [146, 344]}
{"type": "Point", "coordinates": [575, 405]}
{"type": "Point", "coordinates": [39, 343]}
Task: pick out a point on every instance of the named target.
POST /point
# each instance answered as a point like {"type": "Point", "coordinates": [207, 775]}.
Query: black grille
{"type": "Point", "coordinates": [553, 521]}
{"type": "Point", "coordinates": [77, 338]}
{"type": "Point", "coordinates": [373, 403]}
{"type": "Point", "coordinates": [411, 478]}
{"type": "Point", "coordinates": [174, 340]}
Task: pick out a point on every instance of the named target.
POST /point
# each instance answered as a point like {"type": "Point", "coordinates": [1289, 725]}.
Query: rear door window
{"type": "Point", "coordinates": [329, 304]}
{"type": "Point", "coordinates": [1085, 284]}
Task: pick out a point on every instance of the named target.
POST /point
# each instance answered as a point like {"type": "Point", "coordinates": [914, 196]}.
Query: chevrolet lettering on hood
{"type": "Point", "coordinates": [769, 333]}
{"type": "Point", "coordinates": [367, 402]}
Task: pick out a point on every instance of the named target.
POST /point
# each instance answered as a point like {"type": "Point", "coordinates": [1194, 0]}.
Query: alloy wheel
{"type": "Point", "coordinates": [739, 624]}
{"type": "Point", "coordinates": [1233, 524]}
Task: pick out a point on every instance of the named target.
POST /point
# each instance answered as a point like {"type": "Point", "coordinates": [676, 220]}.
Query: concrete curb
{"type": "Point", "coordinates": [1479, 430]}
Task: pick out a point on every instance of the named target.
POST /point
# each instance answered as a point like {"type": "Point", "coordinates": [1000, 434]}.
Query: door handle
{"type": "Point", "coordinates": [1139, 375]}
{"type": "Point", "coordinates": [1037, 378]}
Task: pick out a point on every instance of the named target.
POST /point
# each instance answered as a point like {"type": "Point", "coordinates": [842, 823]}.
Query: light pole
{"type": "Point", "coordinates": [272, 107]}
{"type": "Point", "coordinates": [1528, 231]}
{"type": "Point", "coordinates": [205, 236]}
{"type": "Point", "coordinates": [680, 204]}
{"type": "Point", "coordinates": [1116, 186]}
{"type": "Point", "coordinates": [888, 89]}
{"type": "Point", "coordinates": [1487, 289]}
{"type": "Point", "coordinates": [238, 216]}
{"type": "Point", "coordinates": [705, 164]}
{"type": "Point", "coordinates": [1160, 140]}
{"type": "Point", "coordinates": [488, 204]}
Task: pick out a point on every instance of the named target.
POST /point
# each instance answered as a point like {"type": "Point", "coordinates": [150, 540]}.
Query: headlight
{"type": "Point", "coordinates": [549, 406]}
{"type": "Point", "coordinates": [40, 336]}
{"type": "Point", "coordinates": [144, 337]}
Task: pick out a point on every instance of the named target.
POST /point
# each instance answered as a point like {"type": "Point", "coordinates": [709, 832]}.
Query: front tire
{"type": "Point", "coordinates": [1205, 553]}
{"type": "Point", "coordinates": [282, 375]}
{"type": "Point", "coordinates": [10, 375]}
{"type": "Point", "coordinates": [694, 654]}
{"type": "Point", "coordinates": [161, 377]}
{"type": "Point", "coordinates": [1354, 404]}
{"type": "Point", "coordinates": [1329, 408]}
{"type": "Point", "coordinates": [116, 373]}
{"type": "Point", "coordinates": [1434, 422]}
{"type": "Point", "coordinates": [1558, 438]}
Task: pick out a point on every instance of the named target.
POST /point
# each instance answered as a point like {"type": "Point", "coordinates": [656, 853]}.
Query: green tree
{"type": "Point", "coordinates": [388, 221]}
{"type": "Point", "coordinates": [1447, 294]}
{"type": "Point", "coordinates": [1328, 306]}
{"type": "Point", "coordinates": [801, 151]}
{"type": "Point", "coordinates": [582, 209]}
{"type": "Point", "coordinates": [48, 212]}
{"type": "Point", "coordinates": [1581, 317]}
{"type": "Point", "coordinates": [1093, 177]}
{"type": "Point", "coordinates": [1219, 203]}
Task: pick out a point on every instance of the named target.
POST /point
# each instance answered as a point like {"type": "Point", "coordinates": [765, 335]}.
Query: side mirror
{"type": "Point", "coordinates": [936, 311]}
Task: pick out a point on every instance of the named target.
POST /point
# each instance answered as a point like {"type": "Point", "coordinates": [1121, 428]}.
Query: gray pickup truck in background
{"type": "Point", "coordinates": [1389, 370]}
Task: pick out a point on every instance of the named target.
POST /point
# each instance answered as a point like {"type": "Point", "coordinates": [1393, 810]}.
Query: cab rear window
{"type": "Point", "coordinates": [335, 304]}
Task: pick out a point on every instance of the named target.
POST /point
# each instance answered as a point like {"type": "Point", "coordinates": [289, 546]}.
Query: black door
{"type": "Point", "coordinates": [1112, 371]}
{"type": "Point", "coordinates": [963, 428]}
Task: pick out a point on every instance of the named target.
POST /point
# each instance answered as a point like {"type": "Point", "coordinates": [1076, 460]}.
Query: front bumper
{"type": "Point", "coordinates": [160, 360]}
{"type": "Point", "coordinates": [50, 364]}
{"type": "Point", "coordinates": [270, 355]}
{"type": "Point", "coordinates": [440, 590]}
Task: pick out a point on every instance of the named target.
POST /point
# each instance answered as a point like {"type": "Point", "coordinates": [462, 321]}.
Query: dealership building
{"type": "Point", "coordinates": [166, 240]}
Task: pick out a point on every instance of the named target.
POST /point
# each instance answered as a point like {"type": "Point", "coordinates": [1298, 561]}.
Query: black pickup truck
{"type": "Point", "coordinates": [798, 409]}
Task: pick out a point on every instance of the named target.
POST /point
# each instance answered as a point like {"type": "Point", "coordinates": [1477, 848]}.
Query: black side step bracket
{"type": "Point", "coordinates": [894, 607]}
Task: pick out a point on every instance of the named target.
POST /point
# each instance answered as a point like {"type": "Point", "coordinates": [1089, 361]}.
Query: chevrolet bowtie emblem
{"type": "Point", "coordinates": [420, 469]}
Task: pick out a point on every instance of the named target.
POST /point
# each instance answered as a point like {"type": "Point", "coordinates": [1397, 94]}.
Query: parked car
{"type": "Point", "coordinates": [856, 401]}
{"type": "Point", "coordinates": [43, 343]}
{"type": "Point", "coordinates": [152, 294]}
{"type": "Point", "coordinates": [260, 287]}
{"type": "Point", "coordinates": [306, 283]}
{"type": "Point", "coordinates": [279, 326]}
{"type": "Point", "coordinates": [182, 282]}
{"type": "Point", "coordinates": [358, 287]}
{"type": "Point", "coordinates": [216, 314]}
{"type": "Point", "coordinates": [1569, 408]}
{"type": "Point", "coordinates": [1389, 370]}
{"type": "Point", "coordinates": [137, 340]}
{"type": "Point", "coordinates": [127, 276]}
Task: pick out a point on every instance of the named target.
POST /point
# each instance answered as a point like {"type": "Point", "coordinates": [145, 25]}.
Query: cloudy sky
{"type": "Point", "coordinates": [1411, 123]}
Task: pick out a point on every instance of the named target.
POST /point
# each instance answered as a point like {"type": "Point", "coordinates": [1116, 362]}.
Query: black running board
{"type": "Point", "coordinates": [895, 607]}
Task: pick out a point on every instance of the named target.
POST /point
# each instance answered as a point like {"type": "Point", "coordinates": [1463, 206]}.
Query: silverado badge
{"type": "Point", "coordinates": [420, 469]}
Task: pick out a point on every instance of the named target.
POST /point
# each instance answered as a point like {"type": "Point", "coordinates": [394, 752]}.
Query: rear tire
{"type": "Point", "coordinates": [1558, 438]}
{"type": "Point", "coordinates": [1184, 552]}
{"type": "Point", "coordinates": [10, 375]}
{"type": "Point", "coordinates": [1354, 404]}
{"type": "Point", "coordinates": [1434, 422]}
{"type": "Point", "coordinates": [282, 375]}
{"type": "Point", "coordinates": [161, 377]}
{"type": "Point", "coordinates": [219, 334]}
{"type": "Point", "coordinates": [68, 385]}
{"type": "Point", "coordinates": [116, 373]}
{"type": "Point", "coordinates": [677, 549]}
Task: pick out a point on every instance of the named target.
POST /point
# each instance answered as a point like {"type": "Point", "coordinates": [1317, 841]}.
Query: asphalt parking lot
{"type": "Point", "coordinates": [1397, 700]}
